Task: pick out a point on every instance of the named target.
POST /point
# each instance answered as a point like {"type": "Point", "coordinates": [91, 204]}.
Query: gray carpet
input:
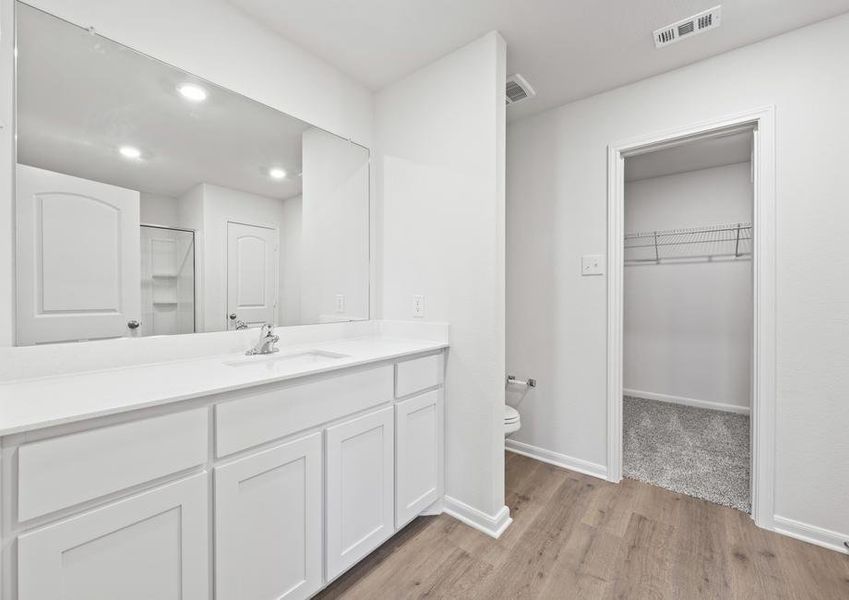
{"type": "Point", "coordinates": [694, 451]}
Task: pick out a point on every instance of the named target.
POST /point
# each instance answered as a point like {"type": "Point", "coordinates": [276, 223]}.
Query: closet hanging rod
{"type": "Point", "coordinates": [714, 241]}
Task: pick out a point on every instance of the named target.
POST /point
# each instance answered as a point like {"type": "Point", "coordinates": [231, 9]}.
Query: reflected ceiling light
{"type": "Point", "coordinates": [129, 152]}
{"type": "Point", "coordinates": [277, 173]}
{"type": "Point", "coordinates": [192, 92]}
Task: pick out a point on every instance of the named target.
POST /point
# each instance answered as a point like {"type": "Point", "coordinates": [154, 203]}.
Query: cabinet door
{"type": "Point", "coordinates": [154, 545]}
{"type": "Point", "coordinates": [418, 455]}
{"type": "Point", "coordinates": [360, 488]}
{"type": "Point", "coordinates": [268, 523]}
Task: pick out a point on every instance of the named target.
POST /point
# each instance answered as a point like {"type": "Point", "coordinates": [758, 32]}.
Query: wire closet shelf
{"type": "Point", "coordinates": [729, 242]}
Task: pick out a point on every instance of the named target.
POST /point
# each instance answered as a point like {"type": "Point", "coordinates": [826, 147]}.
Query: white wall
{"type": "Point", "coordinates": [190, 216]}
{"type": "Point", "coordinates": [557, 165]}
{"type": "Point", "coordinates": [208, 38]}
{"type": "Point", "coordinates": [335, 230]}
{"type": "Point", "coordinates": [688, 324]}
{"type": "Point", "coordinates": [291, 261]}
{"type": "Point", "coordinates": [155, 209]}
{"type": "Point", "coordinates": [440, 171]}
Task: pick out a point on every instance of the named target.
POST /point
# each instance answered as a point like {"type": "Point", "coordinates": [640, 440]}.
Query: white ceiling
{"type": "Point", "coordinates": [567, 49]}
{"type": "Point", "coordinates": [692, 156]}
{"type": "Point", "coordinates": [81, 97]}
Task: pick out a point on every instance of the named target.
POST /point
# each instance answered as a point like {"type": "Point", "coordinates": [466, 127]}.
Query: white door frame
{"type": "Point", "coordinates": [764, 281]}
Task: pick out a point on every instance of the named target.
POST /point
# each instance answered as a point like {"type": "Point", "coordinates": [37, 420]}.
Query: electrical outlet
{"type": "Point", "coordinates": [418, 306]}
{"type": "Point", "coordinates": [592, 264]}
{"type": "Point", "coordinates": [340, 303]}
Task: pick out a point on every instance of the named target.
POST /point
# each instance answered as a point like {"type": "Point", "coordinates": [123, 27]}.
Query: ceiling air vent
{"type": "Point", "coordinates": [518, 89]}
{"type": "Point", "coordinates": [688, 27]}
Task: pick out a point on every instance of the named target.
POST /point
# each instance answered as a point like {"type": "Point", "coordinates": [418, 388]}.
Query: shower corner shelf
{"type": "Point", "coordinates": [729, 241]}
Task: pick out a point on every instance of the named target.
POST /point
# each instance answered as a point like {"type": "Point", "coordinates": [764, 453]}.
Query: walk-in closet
{"type": "Point", "coordinates": [688, 311]}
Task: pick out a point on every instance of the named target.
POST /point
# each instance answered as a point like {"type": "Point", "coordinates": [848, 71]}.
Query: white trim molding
{"type": "Point", "coordinates": [437, 508]}
{"type": "Point", "coordinates": [762, 122]}
{"type": "Point", "coordinates": [558, 460]}
{"type": "Point", "coordinates": [493, 525]}
{"type": "Point", "coordinates": [685, 401]}
{"type": "Point", "coordinates": [811, 534]}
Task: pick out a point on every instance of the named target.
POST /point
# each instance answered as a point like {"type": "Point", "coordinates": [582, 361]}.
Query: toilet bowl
{"type": "Point", "coordinates": [512, 420]}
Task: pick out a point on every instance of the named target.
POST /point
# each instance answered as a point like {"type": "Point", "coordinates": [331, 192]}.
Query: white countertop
{"type": "Point", "coordinates": [31, 404]}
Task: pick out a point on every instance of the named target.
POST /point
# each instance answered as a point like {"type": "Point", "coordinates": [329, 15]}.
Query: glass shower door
{"type": "Point", "coordinates": [167, 280]}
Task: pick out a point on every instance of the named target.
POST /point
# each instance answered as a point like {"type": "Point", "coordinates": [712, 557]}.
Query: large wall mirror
{"type": "Point", "coordinates": [151, 202]}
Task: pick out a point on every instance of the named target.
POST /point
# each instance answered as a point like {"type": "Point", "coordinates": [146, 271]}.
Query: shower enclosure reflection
{"type": "Point", "coordinates": [167, 280]}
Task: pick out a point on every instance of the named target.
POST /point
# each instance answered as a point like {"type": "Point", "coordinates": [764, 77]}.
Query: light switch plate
{"type": "Point", "coordinates": [340, 303]}
{"type": "Point", "coordinates": [592, 264]}
{"type": "Point", "coordinates": [418, 306]}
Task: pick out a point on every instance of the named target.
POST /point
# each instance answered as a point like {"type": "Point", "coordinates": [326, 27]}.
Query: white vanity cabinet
{"type": "Point", "coordinates": [269, 491]}
{"type": "Point", "coordinates": [418, 455]}
{"type": "Point", "coordinates": [419, 423]}
{"type": "Point", "coordinates": [360, 488]}
{"type": "Point", "coordinates": [153, 545]}
{"type": "Point", "coordinates": [268, 523]}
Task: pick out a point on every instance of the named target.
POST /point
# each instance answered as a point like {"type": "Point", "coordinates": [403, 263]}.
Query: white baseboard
{"type": "Point", "coordinates": [557, 459]}
{"type": "Point", "coordinates": [437, 508]}
{"type": "Point", "coordinates": [493, 526]}
{"type": "Point", "coordinates": [732, 408]}
{"type": "Point", "coordinates": [811, 534]}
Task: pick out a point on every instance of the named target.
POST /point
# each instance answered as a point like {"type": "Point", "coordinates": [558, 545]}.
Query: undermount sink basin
{"type": "Point", "coordinates": [305, 357]}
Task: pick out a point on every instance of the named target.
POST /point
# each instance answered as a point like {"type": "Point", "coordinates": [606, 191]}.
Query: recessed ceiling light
{"type": "Point", "coordinates": [277, 173]}
{"type": "Point", "coordinates": [129, 152]}
{"type": "Point", "coordinates": [192, 92]}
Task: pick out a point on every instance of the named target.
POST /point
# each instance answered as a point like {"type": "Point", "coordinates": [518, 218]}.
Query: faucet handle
{"type": "Point", "coordinates": [269, 338]}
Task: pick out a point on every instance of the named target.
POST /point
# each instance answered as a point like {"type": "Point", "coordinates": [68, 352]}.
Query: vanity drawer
{"type": "Point", "coordinates": [60, 472]}
{"type": "Point", "coordinates": [419, 374]}
{"type": "Point", "coordinates": [276, 412]}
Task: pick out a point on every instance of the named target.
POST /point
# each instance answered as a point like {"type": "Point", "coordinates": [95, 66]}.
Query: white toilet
{"type": "Point", "coordinates": [512, 420]}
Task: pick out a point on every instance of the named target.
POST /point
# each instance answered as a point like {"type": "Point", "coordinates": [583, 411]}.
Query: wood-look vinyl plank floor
{"type": "Point", "coordinates": [577, 537]}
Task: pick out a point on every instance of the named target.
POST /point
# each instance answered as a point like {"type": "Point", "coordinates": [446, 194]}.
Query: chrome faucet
{"type": "Point", "coordinates": [267, 339]}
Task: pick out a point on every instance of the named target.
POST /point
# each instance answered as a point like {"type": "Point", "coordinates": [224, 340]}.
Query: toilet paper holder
{"type": "Point", "coordinates": [530, 382]}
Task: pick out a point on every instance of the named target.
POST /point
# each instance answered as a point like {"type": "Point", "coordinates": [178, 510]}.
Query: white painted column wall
{"type": "Point", "coordinates": [440, 173]}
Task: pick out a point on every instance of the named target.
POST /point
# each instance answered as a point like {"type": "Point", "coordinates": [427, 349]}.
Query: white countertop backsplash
{"type": "Point", "coordinates": [80, 381]}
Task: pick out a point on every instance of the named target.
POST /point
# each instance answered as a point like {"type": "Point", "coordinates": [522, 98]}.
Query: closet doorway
{"type": "Point", "coordinates": [687, 318]}
{"type": "Point", "coordinates": [691, 340]}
